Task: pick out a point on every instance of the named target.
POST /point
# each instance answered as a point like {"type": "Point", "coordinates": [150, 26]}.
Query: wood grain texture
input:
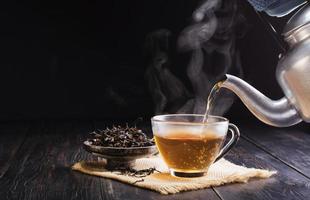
{"type": "Point", "coordinates": [40, 168]}
{"type": "Point", "coordinates": [15, 180]}
{"type": "Point", "coordinates": [287, 184]}
{"type": "Point", "coordinates": [12, 135]}
{"type": "Point", "coordinates": [291, 145]}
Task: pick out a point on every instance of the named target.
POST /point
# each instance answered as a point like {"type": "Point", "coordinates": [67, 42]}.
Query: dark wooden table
{"type": "Point", "coordinates": [35, 160]}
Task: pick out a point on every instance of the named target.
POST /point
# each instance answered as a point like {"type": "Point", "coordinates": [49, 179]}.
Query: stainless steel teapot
{"type": "Point", "coordinates": [293, 75]}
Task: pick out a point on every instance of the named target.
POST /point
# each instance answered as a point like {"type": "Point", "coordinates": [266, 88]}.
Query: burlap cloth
{"type": "Point", "coordinates": [221, 172]}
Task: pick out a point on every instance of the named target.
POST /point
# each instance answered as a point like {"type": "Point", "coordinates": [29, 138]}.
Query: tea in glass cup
{"type": "Point", "coordinates": [188, 146]}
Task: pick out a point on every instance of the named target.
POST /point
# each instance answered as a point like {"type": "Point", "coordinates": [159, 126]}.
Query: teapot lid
{"type": "Point", "coordinates": [298, 20]}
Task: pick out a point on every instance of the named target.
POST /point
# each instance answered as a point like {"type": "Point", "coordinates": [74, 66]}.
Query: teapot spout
{"type": "Point", "coordinates": [279, 113]}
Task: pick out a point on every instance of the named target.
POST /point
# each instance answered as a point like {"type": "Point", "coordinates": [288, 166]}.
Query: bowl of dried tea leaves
{"type": "Point", "coordinates": [120, 145]}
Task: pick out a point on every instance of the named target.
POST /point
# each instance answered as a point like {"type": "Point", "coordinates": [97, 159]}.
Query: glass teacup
{"type": "Point", "coordinates": [188, 146]}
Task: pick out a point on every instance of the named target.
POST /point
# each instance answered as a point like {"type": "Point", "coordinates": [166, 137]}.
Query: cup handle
{"type": "Point", "coordinates": [235, 135]}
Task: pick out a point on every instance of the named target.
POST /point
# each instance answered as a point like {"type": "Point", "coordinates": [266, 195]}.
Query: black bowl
{"type": "Point", "coordinates": [119, 157]}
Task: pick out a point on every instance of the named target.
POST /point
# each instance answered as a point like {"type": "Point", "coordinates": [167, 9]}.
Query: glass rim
{"type": "Point", "coordinates": [155, 119]}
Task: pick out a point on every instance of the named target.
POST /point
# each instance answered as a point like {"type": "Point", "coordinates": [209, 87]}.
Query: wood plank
{"type": "Point", "coordinates": [290, 145]}
{"type": "Point", "coordinates": [42, 167]}
{"type": "Point", "coordinates": [11, 182]}
{"type": "Point", "coordinates": [287, 184]}
{"type": "Point", "coordinates": [12, 135]}
{"type": "Point", "coordinates": [68, 184]}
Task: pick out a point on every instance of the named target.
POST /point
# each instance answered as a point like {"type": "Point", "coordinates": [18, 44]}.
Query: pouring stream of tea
{"type": "Point", "coordinates": [211, 98]}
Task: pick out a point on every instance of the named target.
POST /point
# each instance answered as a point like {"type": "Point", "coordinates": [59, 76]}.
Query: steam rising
{"type": "Point", "coordinates": [203, 28]}
{"type": "Point", "coordinates": [211, 42]}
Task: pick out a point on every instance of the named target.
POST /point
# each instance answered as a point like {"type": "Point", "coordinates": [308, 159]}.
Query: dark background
{"type": "Point", "coordinates": [84, 59]}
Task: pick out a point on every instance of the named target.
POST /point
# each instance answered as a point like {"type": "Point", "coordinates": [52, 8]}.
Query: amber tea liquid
{"type": "Point", "coordinates": [211, 99]}
{"type": "Point", "coordinates": [187, 152]}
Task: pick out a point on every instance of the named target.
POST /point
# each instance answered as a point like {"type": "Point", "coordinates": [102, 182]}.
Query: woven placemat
{"type": "Point", "coordinates": [221, 172]}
